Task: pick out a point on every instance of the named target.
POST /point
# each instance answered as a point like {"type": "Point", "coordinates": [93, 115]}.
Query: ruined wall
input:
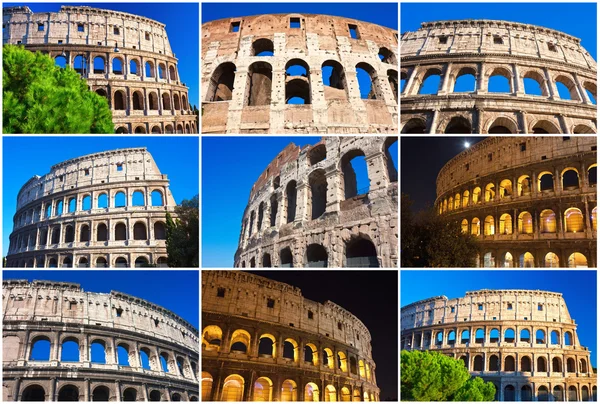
{"type": "Point", "coordinates": [524, 341]}
{"type": "Point", "coordinates": [111, 49]}
{"type": "Point", "coordinates": [485, 48]}
{"type": "Point", "coordinates": [235, 72]}
{"type": "Point", "coordinates": [531, 201]}
{"type": "Point", "coordinates": [305, 209]}
{"type": "Point", "coordinates": [79, 196]}
{"type": "Point", "coordinates": [236, 304]}
{"type": "Point", "coordinates": [58, 312]}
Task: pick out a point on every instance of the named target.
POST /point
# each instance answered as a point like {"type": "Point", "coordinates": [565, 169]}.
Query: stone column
{"type": "Point", "coordinates": [481, 81]}
{"type": "Point", "coordinates": [551, 85]}
{"type": "Point", "coordinates": [302, 201]}
{"type": "Point", "coordinates": [563, 124]}
{"type": "Point", "coordinates": [584, 97]}
{"type": "Point", "coordinates": [335, 193]}
{"type": "Point", "coordinates": [409, 83]}
{"type": "Point", "coordinates": [523, 115]}
{"type": "Point", "coordinates": [518, 87]}
{"type": "Point", "coordinates": [434, 121]}
{"type": "Point", "coordinates": [444, 84]}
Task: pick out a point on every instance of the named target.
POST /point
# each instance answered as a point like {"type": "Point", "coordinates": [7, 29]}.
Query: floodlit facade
{"type": "Point", "coordinates": [511, 73]}
{"type": "Point", "coordinates": [523, 341]}
{"type": "Point", "coordinates": [61, 343]}
{"type": "Point", "coordinates": [275, 345]}
{"type": "Point", "coordinates": [530, 201]}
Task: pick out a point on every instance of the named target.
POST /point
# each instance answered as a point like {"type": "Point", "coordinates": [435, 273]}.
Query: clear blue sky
{"type": "Point", "coordinates": [181, 23]}
{"type": "Point", "coordinates": [385, 14]}
{"type": "Point", "coordinates": [175, 156]}
{"type": "Point", "coordinates": [177, 291]}
{"type": "Point", "coordinates": [226, 185]}
{"type": "Point", "coordinates": [578, 289]}
{"type": "Point", "coordinates": [576, 19]}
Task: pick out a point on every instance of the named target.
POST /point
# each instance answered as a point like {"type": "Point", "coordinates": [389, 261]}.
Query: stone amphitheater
{"type": "Point", "coordinates": [530, 201]}
{"type": "Point", "coordinates": [487, 50]}
{"type": "Point", "coordinates": [523, 341]}
{"type": "Point", "coordinates": [275, 345]}
{"type": "Point", "coordinates": [305, 209]}
{"type": "Point", "coordinates": [124, 57]}
{"type": "Point", "coordinates": [297, 73]}
{"type": "Point", "coordinates": [126, 348]}
{"type": "Point", "coordinates": [105, 209]}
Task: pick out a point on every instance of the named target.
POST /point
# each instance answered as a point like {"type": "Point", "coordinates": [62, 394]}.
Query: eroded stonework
{"type": "Point", "coordinates": [263, 341]}
{"type": "Point", "coordinates": [524, 341]}
{"type": "Point", "coordinates": [105, 209]}
{"type": "Point", "coordinates": [305, 209]}
{"type": "Point", "coordinates": [124, 57]}
{"type": "Point", "coordinates": [530, 201]}
{"type": "Point", "coordinates": [246, 84]}
{"type": "Point", "coordinates": [487, 48]}
{"type": "Point", "coordinates": [57, 313]}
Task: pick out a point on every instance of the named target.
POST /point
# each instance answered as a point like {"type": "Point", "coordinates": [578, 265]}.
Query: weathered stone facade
{"type": "Point", "coordinates": [486, 48]}
{"type": "Point", "coordinates": [59, 313]}
{"type": "Point", "coordinates": [94, 210]}
{"type": "Point", "coordinates": [524, 341]}
{"type": "Point", "coordinates": [124, 57]}
{"type": "Point", "coordinates": [245, 91]}
{"type": "Point", "coordinates": [316, 351]}
{"type": "Point", "coordinates": [306, 210]}
{"type": "Point", "coordinates": [531, 201]}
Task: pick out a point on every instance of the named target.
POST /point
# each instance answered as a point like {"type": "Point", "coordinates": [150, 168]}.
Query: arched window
{"type": "Point", "coordinates": [266, 260]}
{"type": "Point", "coordinates": [117, 66]}
{"type": "Point", "coordinates": [101, 393]}
{"type": "Point", "coordinates": [130, 394]}
{"type": "Point", "coordinates": [542, 394]}
{"type": "Point", "coordinates": [464, 226]}
{"type": "Point", "coordinates": [102, 201]}
{"type": "Point", "coordinates": [356, 174]}
{"type": "Point", "coordinates": [509, 393]}
{"type": "Point", "coordinates": [40, 349]}
{"type": "Point", "coordinates": [69, 234]}
{"type": "Point", "coordinates": [318, 193]}
{"type": "Point", "coordinates": [153, 101]}
{"type": "Point", "coordinates": [311, 392]}
{"type": "Point", "coordinates": [525, 224]}
{"type": "Point", "coordinates": [262, 47]}
{"type": "Point", "coordinates": [478, 363]}
{"type": "Point", "coordinates": [475, 227]}
{"type": "Point", "coordinates": [84, 233]}
{"type": "Point", "coordinates": [524, 335]}
{"type": "Point", "coordinates": [387, 56]}
{"type": "Point", "coordinates": [414, 125]}
{"type": "Point", "coordinates": [139, 231]}
{"type": "Point", "coordinates": [68, 393]}
{"type": "Point", "coordinates": [150, 69]}
{"type": "Point", "coordinates": [570, 179]}
{"type": "Point", "coordinates": [556, 365]}
{"type": "Point", "coordinates": [555, 338]}
{"type": "Point", "coordinates": [120, 200]}
{"type": "Point", "coordinates": [123, 354]}
{"type": "Point", "coordinates": [233, 388]}
{"type": "Point", "coordinates": [221, 83]}
{"type": "Point", "coordinates": [506, 224]}
{"type": "Point", "coordinates": [162, 74]}
{"type": "Point", "coordinates": [547, 221]}
{"type": "Point", "coordinates": [316, 256]}
{"type": "Point", "coordinates": [137, 199]}
{"type": "Point", "coordinates": [367, 82]}
{"type": "Point", "coordinates": [334, 80]}
{"type": "Point", "coordinates": [138, 101]}
{"type": "Point", "coordinates": [534, 84]}
{"type": "Point", "coordinates": [500, 81]}
{"type": "Point", "coordinates": [102, 233]}
{"type": "Point", "coordinates": [59, 208]}
{"type": "Point", "coordinates": [289, 391]}
{"type": "Point", "coordinates": [99, 65]}
{"type": "Point", "coordinates": [61, 62]}
{"type": "Point", "coordinates": [488, 226]}
{"type": "Point", "coordinates": [567, 90]}
{"type": "Point", "coordinates": [577, 260]}
{"type": "Point", "coordinates": [525, 364]}
{"type": "Point", "coordinates": [551, 260]}
{"type": "Point", "coordinates": [431, 82]}
{"type": "Point", "coordinates": [172, 74]}
{"type": "Point", "coordinates": [81, 65]}
{"type": "Point", "coordinates": [458, 124]}
{"type": "Point", "coordinates": [544, 126]}
{"type": "Point", "coordinates": [502, 125]}
{"type": "Point", "coordinates": [207, 384]}
{"type": "Point", "coordinates": [573, 220]}
{"type": "Point", "coordinates": [258, 92]}
{"type": "Point", "coordinates": [465, 80]}
{"type": "Point", "coordinates": [297, 82]}
{"type": "Point", "coordinates": [509, 364]}
{"type": "Point", "coordinates": [361, 253]}
{"type": "Point", "coordinates": [290, 192]}
{"type": "Point", "coordinates": [134, 67]}
{"type": "Point", "coordinates": [120, 232]}
{"type": "Point", "coordinates": [160, 232]}
{"type": "Point", "coordinates": [263, 389]}
{"type": "Point", "coordinates": [166, 102]}
{"type": "Point", "coordinates": [540, 337]}
{"type": "Point", "coordinates": [285, 258]}
{"type": "Point", "coordinates": [509, 335]}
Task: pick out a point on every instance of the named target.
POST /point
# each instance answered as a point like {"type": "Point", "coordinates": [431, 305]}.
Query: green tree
{"type": "Point", "coordinates": [183, 235]}
{"type": "Point", "coordinates": [431, 240]}
{"type": "Point", "coordinates": [432, 376]}
{"type": "Point", "coordinates": [40, 97]}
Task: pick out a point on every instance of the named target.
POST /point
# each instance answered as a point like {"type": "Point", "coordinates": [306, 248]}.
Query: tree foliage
{"type": "Point", "coordinates": [183, 235]}
{"type": "Point", "coordinates": [432, 376]}
{"type": "Point", "coordinates": [431, 240]}
{"type": "Point", "coordinates": [40, 97]}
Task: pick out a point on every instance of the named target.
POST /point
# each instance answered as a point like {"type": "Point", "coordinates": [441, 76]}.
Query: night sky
{"type": "Point", "coordinates": [372, 296]}
{"type": "Point", "coordinates": [421, 159]}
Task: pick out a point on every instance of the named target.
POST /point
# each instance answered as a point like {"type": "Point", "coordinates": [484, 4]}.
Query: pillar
{"type": "Point", "coordinates": [434, 121]}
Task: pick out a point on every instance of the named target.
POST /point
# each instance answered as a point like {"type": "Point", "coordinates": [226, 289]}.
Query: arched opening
{"type": "Point", "coordinates": [61, 62]}
{"type": "Point", "coordinates": [297, 82]}
{"type": "Point", "coordinates": [525, 335]}
{"type": "Point", "coordinates": [233, 388]}
{"type": "Point", "coordinates": [547, 221]}
{"type": "Point", "coordinates": [543, 394]}
{"type": "Point", "coordinates": [507, 262]}
{"type": "Point", "coordinates": [145, 358]}
{"type": "Point", "coordinates": [69, 234]}
{"type": "Point", "coordinates": [69, 350]}
{"type": "Point", "coordinates": [570, 179]}
{"type": "Point", "coordinates": [316, 256]}
{"type": "Point", "coordinates": [392, 76]}
{"type": "Point", "coordinates": [101, 232]}
{"type": "Point", "coordinates": [494, 364]}
{"type": "Point", "coordinates": [551, 260]}
{"type": "Point", "coordinates": [290, 192]}
{"type": "Point", "coordinates": [260, 75]}
{"type": "Point", "coordinates": [502, 125]}
{"type": "Point", "coordinates": [577, 260]}
{"type": "Point", "coordinates": [134, 67]}
{"type": "Point", "coordinates": [177, 107]}
{"type": "Point", "coordinates": [81, 65]}
{"type": "Point", "coordinates": [141, 262]}
{"type": "Point", "coordinates": [149, 69]}
{"type": "Point", "coordinates": [120, 232]}
{"type": "Point", "coordinates": [500, 81]}
{"type": "Point", "coordinates": [139, 231]}
{"type": "Point", "coordinates": [263, 47]}
{"type": "Point", "coordinates": [525, 364]}
{"type": "Point", "coordinates": [534, 84]}
{"type": "Point", "coordinates": [330, 393]}
{"type": "Point", "coordinates": [361, 253]}
{"type": "Point", "coordinates": [414, 126]}
{"type": "Point", "coordinates": [207, 383]}
{"type": "Point", "coordinates": [153, 101]}
{"type": "Point", "coordinates": [117, 66]}
{"type": "Point", "coordinates": [166, 102]}
{"type": "Point", "coordinates": [123, 355]}
{"type": "Point", "coordinates": [556, 365]}
{"type": "Point", "coordinates": [458, 124]}
{"type": "Point", "coordinates": [289, 390]}
{"type": "Point", "coordinates": [557, 392]}
{"type": "Point", "coordinates": [221, 83]}
{"type": "Point", "coordinates": [311, 392]}
{"type": "Point", "coordinates": [285, 258]}
{"type": "Point", "coordinates": [240, 341]}
{"type": "Point", "coordinates": [489, 260]}
{"type": "Point", "coordinates": [585, 393]}
{"type": "Point", "coordinates": [356, 174]}
{"type": "Point", "coordinates": [573, 220]}
{"type": "Point", "coordinates": [509, 364]}
{"type": "Point", "coordinates": [567, 90]}
{"type": "Point", "coordinates": [509, 393]}
{"type": "Point", "coordinates": [387, 56]}
{"type": "Point", "coordinates": [542, 127]}
{"type": "Point", "coordinates": [509, 335]}
{"type": "Point", "coordinates": [488, 226]}
{"type": "Point", "coordinates": [160, 232]}
{"type": "Point", "coordinates": [98, 352]}
{"type": "Point", "coordinates": [506, 224]}
{"type": "Point", "coordinates": [40, 349]}
{"type": "Point", "coordinates": [212, 337]}
{"type": "Point", "coordinates": [175, 397]}
{"type": "Point", "coordinates": [318, 193]}
{"type": "Point", "coordinates": [101, 393]}
{"type": "Point", "coordinates": [541, 364]}
{"type": "Point", "coordinates": [464, 226]}
{"type": "Point", "coordinates": [33, 392]}
{"type": "Point", "coordinates": [334, 80]}
{"type": "Point", "coordinates": [367, 82]}
{"type": "Point", "coordinates": [478, 363]}
{"type": "Point", "coordinates": [130, 394]}
{"type": "Point", "coordinates": [465, 80]}
{"type": "Point", "coordinates": [525, 223]}
{"type": "Point", "coordinates": [475, 227]}
{"type": "Point", "coordinates": [431, 81]}
{"type": "Point", "coordinates": [266, 260]}
{"type": "Point", "coordinates": [68, 393]}
{"type": "Point", "coordinates": [583, 129]}
{"type": "Point", "coordinates": [138, 101]}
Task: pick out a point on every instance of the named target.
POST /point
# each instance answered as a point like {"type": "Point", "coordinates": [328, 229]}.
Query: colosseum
{"type": "Point", "coordinates": [105, 209]}
{"type": "Point", "coordinates": [125, 348]}
{"type": "Point", "coordinates": [276, 345]}
{"type": "Point", "coordinates": [305, 209]}
{"type": "Point", "coordinates": [530, 201]}
{"type": "Point", "coordinates": [124, 57]}
{"type": "Point", "coordinates": [531, 61]}
{"type": "Point", "coordinates": [523, 341]}
{"type": "Point", "coordinates": [297, 73]}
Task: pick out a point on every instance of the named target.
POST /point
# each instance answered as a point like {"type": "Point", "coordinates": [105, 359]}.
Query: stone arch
{"type": "Point", "coordinates": [117, 65]}
{"type": "Point", "coordinates": [503, 124]}
{"type": "Point", "coordinates": [503, 72]}
{"type": "Point", "coordinates": [544, 126]}
{"type": "Point", "coordinates": [569, 83]}
{"type": "Point", "coordinates": [387, 56]}
{"type": "Point", "coordinates": [337, 87]}
{"type": "Point", "coordinates": [318, 193]}
{"type": "Point", "coordinates": [392, 76]}
{"type": "Point", "coordinates": [84, 233]}
{"type": "Point", "coordinates": [166, 102]}
{"type": "Point", "coordinates": [119, 100]}
{"type": "Point", "coordinates": [539, 78]}
{"type": "Point", "coordinates": [360, 252]}
{"type": "Point", "coordinates": [263, 47]}
{"type": "Point", "coordinates": [458, 124]}
{"type": "Point", "coordinates": [152, 101]}
{"type": "Point", "coordinates": [582, 129]}
{"type": "Point", "coordinates": [374, 93]}
{"type": "Point", "coordinates": [134, 67]}
{"type": "Point", "coordinates": [415, 125]}
{"type": "Point", "coordinates": [68, 392]}
{"type": "Point", "coordinates": [460, 72]}
{"type": "Point", "coordinates": [297, 86]}
{"type": "Point", "coordinates": [172, 73]}
{"type": "Point", "coordinates": [240, 341]}
{"type": "Point", "coordinates": [316, 256]}
{"type": "Point", "coordinates": [33, 392]}
{"type": "Point", "coordinates": [258, 90]}
{"type": "Point", "coordinates": [233, 388]}
{"type": "Point", "coordinates": [430, 72]}
{"type": "Point", "coordinates": [138, 100]}
{"type": "Point", "coordinates": [221, 85]}
{"type": "Point", "coordinates": [139, 231]}
{"type": "Point", "coordinates": [177, 106]}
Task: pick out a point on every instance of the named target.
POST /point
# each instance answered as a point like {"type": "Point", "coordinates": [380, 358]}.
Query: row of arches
{"type": "Point", "coordinates": [68, 261]}
{"type": "Point", "coordinates": [502, 124]}
{"type": "Point", "coordinates": [525, 393]}
{"type": "Point", "coordinates": [528, 260]}
{"type": "Point", "coordinates": [542, 182]}
{"type": "Point", "coordinates": [573, 221]}
{"type": "Point", "coordinates": [66, 233]}
{"type": "Point", "coordinates": [117, 66]}
{"type": "Point", "coordinates": [84, 203]}
{"type": "Point", "coordinates": [130, 355]}
{"type": "Point", "coordinates": [179, 128]}
{"type": "Point", "coordinates": [494, 364]}
{"type": "Point", "coordinates": [264, 389]}
{"type": "Point", "coordinates": [240, 342]}
{"type": "Point", "coordinates": [500, 79]}
{"type": "Point", "coordinates": [359, 253]}
{"type": "Point", "coordinates": [140, 100]}
{"type": "Point", "coordinates": [298, 81]}
{"type": "Point", "coordinates": [100, 392]}
{"type": "Point", "coordinates": [492, 336]}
